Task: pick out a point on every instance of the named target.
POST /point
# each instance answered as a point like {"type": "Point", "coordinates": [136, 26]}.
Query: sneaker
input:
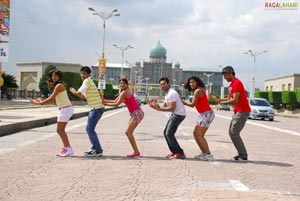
{"type": "Point", "coordinates": [170, 155]}
{"type": "Point", "coordinates": [239, 158]}
{"type": "Point", "coordinates": [133, 155]}
{"type": "Point", "coordinates": [178, 156]}
{"type": "Point", "coordinates": [206, 157]}
{"type": "Point", "coordinates": [86, 152]}
{"type": "Point", "coordinates": [93, 153]}
{"type": "Point", "coordinates": [66, 151]}
{"type": "Point", "coordinates": [200, 155]}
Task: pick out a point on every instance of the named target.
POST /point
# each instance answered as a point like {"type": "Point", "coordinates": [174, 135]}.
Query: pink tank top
{"type": "Point", "coordinates": [131, 104]}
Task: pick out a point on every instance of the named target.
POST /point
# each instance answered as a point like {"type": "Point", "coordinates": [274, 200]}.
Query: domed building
{"type": "Point", "coordinates": [157, 66]}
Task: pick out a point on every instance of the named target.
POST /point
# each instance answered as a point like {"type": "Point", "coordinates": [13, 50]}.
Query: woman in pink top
{"type": "Point", "coordinates": [126, 96]}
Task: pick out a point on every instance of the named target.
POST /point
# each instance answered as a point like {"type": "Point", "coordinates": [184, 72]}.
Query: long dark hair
{"type": "Point", "coordinates": [198, 81]}
{"type": "Point", "coordinates": [51, 84]}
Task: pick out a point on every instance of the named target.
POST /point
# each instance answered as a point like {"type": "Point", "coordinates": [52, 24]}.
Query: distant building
{"type": "Point", "coordinates": [283, 83]}
{"type": "Point", "coordinates": [30, 73]}
{"type": "Point", "coordinates": [157, 66]}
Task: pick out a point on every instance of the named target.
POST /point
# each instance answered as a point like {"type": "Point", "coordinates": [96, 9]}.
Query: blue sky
{"type": "Point", "coordinates": [195, 33]}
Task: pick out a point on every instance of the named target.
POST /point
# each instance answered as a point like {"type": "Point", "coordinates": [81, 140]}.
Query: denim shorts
{"type": "Point", "coordinates": [205, 119]}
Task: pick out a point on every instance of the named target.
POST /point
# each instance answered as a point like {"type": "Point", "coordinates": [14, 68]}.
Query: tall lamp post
{"type": "Point", "coordinates": [254, 55]}
{"type": "Point", "coordinates": [208, 84]}
{"type": "Point", "coordinates": [147, 78]}
{"type": "Point", "coordinates": [104, 16]}
{"type": "Point", "coordinates": [102, 62]}
{"type": "Point", "coordinates": [123, 49]}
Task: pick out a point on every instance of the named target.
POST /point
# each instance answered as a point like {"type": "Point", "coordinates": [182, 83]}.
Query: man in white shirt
{"type": "Point", "coordinates": [174, 105]}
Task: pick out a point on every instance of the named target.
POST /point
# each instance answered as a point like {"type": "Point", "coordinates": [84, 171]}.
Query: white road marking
{"type": "Point", "coordinates": [167, 115]}
{"type": "Point", "coordinates": [267, 127]}
{"type": "Point", "coordinates": [44, 137]}
{"type": "Point", "coordinates": [238, 186]}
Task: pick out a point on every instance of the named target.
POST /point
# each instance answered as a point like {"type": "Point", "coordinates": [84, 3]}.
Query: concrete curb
{"type": "Point", "coordinates": [21, 126]}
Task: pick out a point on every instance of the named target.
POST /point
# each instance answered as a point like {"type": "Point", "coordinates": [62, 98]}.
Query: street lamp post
{"type": "Point", "coordinates": [131, 70]}
{"type": "Point", "coordinates": [208, 75]}
{"type": "Point", "coordinates": [104, 16]}
{"type": "Point", "coordinates": [147, 78]}
{"type": "Point", "coordinates": [123, 49]}
{"type": "Point", "coordinates": [254, 55]}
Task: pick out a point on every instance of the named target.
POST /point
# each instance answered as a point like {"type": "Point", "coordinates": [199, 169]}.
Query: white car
{"type": "Point", "coordinates": [260, 109]}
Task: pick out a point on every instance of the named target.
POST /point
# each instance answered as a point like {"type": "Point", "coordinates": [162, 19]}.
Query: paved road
{"type": "Point", "coordinates": [29, 169]}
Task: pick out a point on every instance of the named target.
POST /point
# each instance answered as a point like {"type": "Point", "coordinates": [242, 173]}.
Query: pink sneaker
{"type": "Point", "coordinates": [66, 151]}
{"type": "Point", "coordinates": [133, 155]}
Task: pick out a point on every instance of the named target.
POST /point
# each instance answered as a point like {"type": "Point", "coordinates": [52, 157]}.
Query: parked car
{"type": "Point", "coordinates": [260, 109]}
{"type": "Point", "coordinates": [223, 107]}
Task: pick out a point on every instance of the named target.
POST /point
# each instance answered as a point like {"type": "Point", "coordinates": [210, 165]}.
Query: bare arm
{"type": "Point", "coordinates": [118, 100]}
{"type": "Point", "coordinates": [164, 108]}
{"type": "Point", "coordinates": [233, 100]}
{"type": "Point", "coordinates": [197, 94]}
{"type": "Point", "coordinates": [77, 93]}
{"type": "Point", "coordinates": [50, 100]}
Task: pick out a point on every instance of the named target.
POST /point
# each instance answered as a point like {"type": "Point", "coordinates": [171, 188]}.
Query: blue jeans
{"type": "Point", "coordinates": [93, 118]}
{"type": "Point", "coordinates": [170, 131]}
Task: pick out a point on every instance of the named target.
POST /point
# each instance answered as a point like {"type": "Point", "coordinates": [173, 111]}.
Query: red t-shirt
{"type": "Point", "coordinates": [242, 105]}
{"type": "Point", "coordinates": [202, 104]}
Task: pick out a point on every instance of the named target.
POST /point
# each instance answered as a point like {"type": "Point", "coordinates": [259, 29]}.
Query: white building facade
{"type": "Point", "coordinates": [282, 83]}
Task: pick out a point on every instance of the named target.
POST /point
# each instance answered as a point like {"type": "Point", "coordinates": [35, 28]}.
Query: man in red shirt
{"type": "Point", "coordinates": [237, 97]}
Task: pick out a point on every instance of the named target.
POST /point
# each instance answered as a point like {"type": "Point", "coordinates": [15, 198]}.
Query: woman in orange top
{"type": "Point", "coordinates": [206, 115]}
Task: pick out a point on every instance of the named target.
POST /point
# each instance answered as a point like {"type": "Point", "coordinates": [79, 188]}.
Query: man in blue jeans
{"type": "Point", "coordinates": [174, 105]}
{"type": "Point", "coordinates": [89, 91]}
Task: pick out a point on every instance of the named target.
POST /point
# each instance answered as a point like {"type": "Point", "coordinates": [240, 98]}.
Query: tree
{"type": "Point", "coordinates": [43, 85]}
{"type": "Point", "coordinates": [10, 82]}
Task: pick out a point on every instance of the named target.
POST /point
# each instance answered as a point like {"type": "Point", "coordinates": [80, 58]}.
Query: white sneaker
{"type": "Point", "coordinates": [206, 157]}
{"type": "Point", "coordinates": [66, 151]}
{"type": "Point", "coordinates": [200, 155]}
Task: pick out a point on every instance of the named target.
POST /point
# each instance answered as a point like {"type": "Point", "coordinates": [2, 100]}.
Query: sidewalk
{"type": "Point", "coordinates": [16, 116]}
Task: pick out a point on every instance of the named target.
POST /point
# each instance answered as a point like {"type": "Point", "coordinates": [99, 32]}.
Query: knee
{"type": "Point", "coordinates": [59, 131]}
{"type": "Point", "coordinates": [88, 129]}
{"type": "Point", "coordinates": [129, 134]}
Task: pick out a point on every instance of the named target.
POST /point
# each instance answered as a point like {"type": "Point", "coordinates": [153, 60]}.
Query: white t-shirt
{"type": "Point", "coordinates": [173, 96]}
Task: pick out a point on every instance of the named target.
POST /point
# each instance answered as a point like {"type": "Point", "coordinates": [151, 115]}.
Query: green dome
{"type": "Point", "coordinates": [158, 51]}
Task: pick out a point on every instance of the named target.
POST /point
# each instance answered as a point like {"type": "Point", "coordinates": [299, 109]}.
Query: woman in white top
{"type": "Point", "coordinates": [65, 112]}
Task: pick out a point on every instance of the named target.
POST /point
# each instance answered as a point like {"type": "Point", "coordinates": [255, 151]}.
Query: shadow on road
{"type": "Point", "coordinates": [267, 163]}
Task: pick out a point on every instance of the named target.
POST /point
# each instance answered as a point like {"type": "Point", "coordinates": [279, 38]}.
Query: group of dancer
{"type": "Point", "coordinates": [172, 103]}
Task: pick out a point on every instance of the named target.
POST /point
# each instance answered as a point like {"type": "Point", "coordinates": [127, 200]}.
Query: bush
{"type": "Point", "coordinates": [275, 99]}
{"type": "Point", "coordinates": [262, 94]}
{"type": "Point", "coordinates": [43, 86]}
{"type": "Point", "coordinates": [289, 100]}
{"type": "Point", "coordinates": [109, 92]}
{"type": "Point", "coordinates": [72, 79]}
{"type": "Point", "coordinates": [297, 94]}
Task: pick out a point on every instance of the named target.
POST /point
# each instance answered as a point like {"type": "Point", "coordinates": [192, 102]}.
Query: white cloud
{"type": "Point", "coordinates": [195, 33]}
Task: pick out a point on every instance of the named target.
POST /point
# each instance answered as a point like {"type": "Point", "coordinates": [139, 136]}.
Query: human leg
{"type": "Point", "coordinates": [62, 133]}
{"type": "Point", "coordinates": [236, 125]}
{"type": "Point", "coordinates": [169, 133]}
{"type": "Point", "coordinates": [129, 133]}
{"type": "Point", "coordinates": [93, 118]}
{"type": "Point", "coordinates": [199, 133]}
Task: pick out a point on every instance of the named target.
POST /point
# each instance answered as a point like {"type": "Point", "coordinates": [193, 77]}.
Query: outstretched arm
{"type": "Point", "coordinates": [77, 93]}
{"type": "Point", "coordinates": [118, 100]}
{"type": "Point", "coordinates": [50, 100]}
{"type": "Point", "coordinates": [197, 94]}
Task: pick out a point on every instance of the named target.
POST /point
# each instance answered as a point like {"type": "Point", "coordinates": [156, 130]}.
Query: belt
{"type": "Point", "coordinates": [65, 107]}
